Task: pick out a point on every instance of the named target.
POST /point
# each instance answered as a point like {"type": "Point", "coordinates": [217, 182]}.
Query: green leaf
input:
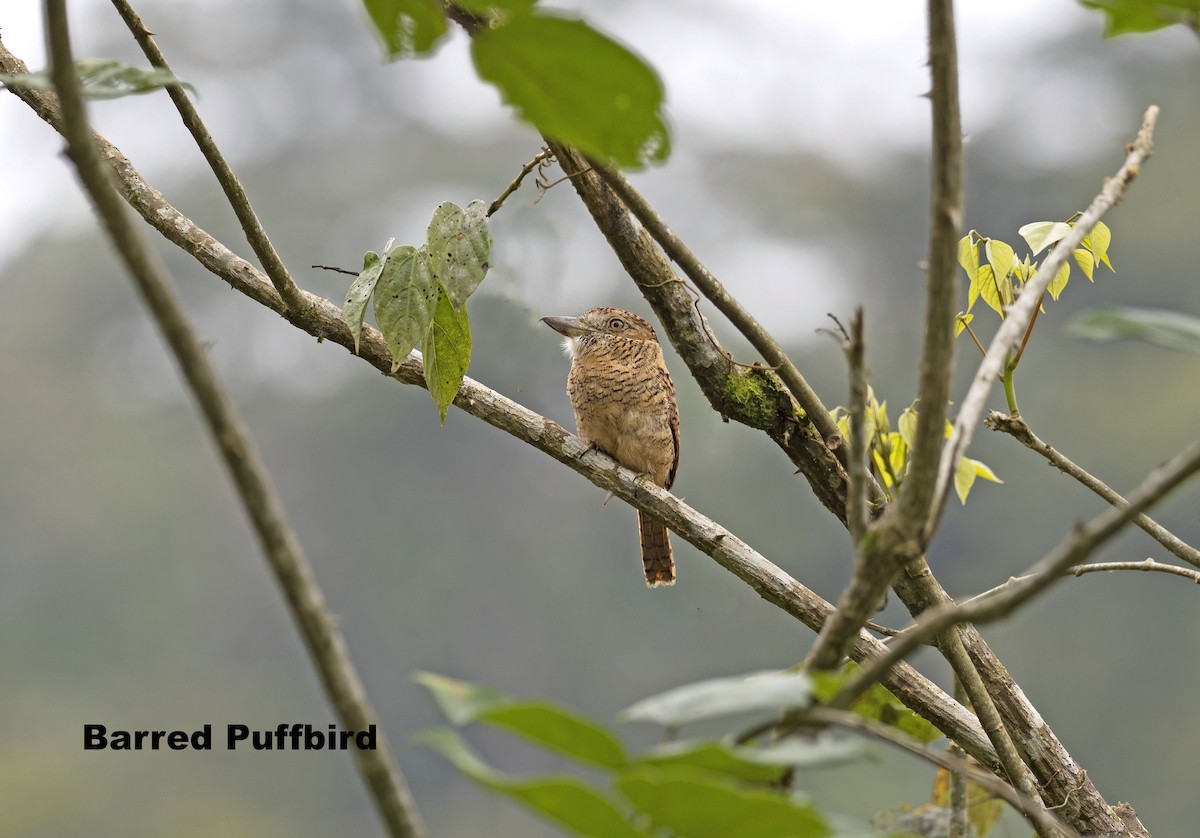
{"type": "Point", "coordinates": [461, 702]}
{"type": "Point", "coordinates": [408, 27]}
{"type": "Point", "coordinates": [564, 800]}
{"type": "Point", "coordinates": [558, 730]}
{"type": "Point", "coordinates": [101, 79]}
{"type": "Point", "coordinates": [359, 293]}
{"type": "Point", "coordinates": [961, 321]}
{"type": "Point", "coordinates": [1098, 241]}
{"type": "Point", "coordinates": [714, 757]}
{"type": "Point", "coordinates": [458, 245]}
{"type": "Point", "coordinates": [968, 257]}
{"type": "Point", "coordinates": [693, 804]}
{"type": "Point", "coordinates": [1168, 329]}
{"type": "Point", "coordinates": [802, 752]}
{"type": "Point", "coordinates": [1086, 262]}
{"type": "Point", "coordinates": [578, 86]}
{"type": "Point", "coordinates": [481, 7]}
{"type": "Point", "coordinates": [447, 352]}
{"type": "Point", "coordinates": [965, 474]}
{"type": "Point", "coordinates": [770, 690]}
{"type": "Point", "coordinates": [879, 704]}
{"type": "Point", "coordinates": [1001, 257]}
{"type": "Point", "coordinates": [1059, 282]}
{"type": "Point", "coordinates": [1041, 234]}
{"type": "Point", "coordinates": [1130, 16]}
{"type": "Point", "coordinates": [907, 424]}
{"type": "Point", "coordinates": [405, 296]}
{"type": "Point", "coordinates": [986, 288]}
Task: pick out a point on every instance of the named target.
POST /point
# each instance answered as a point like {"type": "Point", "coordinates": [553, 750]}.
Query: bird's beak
{"type": "Point", "coordinates": [569, 326]}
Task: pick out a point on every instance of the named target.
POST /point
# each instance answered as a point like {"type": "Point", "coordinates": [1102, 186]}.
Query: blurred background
{"type": "Point", "coordinates": [131, 590]}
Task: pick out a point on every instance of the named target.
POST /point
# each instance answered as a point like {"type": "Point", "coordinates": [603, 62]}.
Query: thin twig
{"type": "Point", "coordinates": [540, 159]}
{"type": "Point", "coordinates": [1144, 566]}
{"type": "Point", "coordinates": [234, 191]}
{"type": "Point", "coordinates": [859, 477]}
{"type": "Point", "coordinates": [821, 716]}
{"type": "Point", "coordinates": [1019, 429]}
{"type": "Point", "coordinates": [1055, 565]}
{"type": "Point", "coordinates": [1021, 312]}
{"type": "Point", "coordinates": [278, 541]}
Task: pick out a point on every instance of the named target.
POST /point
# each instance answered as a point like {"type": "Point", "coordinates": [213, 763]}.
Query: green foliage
{"type": "Point", "coordinates": [687, 789]}
{"type": "Point", "coordinates": [721, 696]}
{"type": "Point", "coordinates": [420, 295]}
{"type": "Point", "coordinates": [576, 85]}
{"type": "Point", "coordinates": [1126, 16]}
{"type": "Point", "coordinates": [888, 451]}
{"type": "Point", "coordinates": [1169, 329]}
{"type": "Point", "coordinates": [568, 80]}
{"type": "Point", "coordinates": [408, 27]}
{"type": "Point", "coordinates": [999, 281]}
{"type": "Point", "coordinates": [101, 79]}
{"type": "Point", "coordinates": [876, 703]}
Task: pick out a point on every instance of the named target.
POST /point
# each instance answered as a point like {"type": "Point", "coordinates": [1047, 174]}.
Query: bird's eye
{"type": "Point", "coordinates": [616, 324]}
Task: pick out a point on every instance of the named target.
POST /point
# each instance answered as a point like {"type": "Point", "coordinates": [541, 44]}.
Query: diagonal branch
{"type": "Point", "coordinates": [1054, 566]}
{"type": "Point", "coordinates": [1019, 429]}
{"type": "Point", "coordinates": [895, 539]}
{"type": "Point", "coordinates": [235, 193]}
{"type": "Point", "coordinates": [278, 541]}
{"type": "Point", "coordinates": [1021, 312]}
{"type": "Point", "coordinates": [322, 319]}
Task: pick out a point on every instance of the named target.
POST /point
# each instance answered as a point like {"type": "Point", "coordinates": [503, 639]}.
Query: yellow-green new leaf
{"type": "Point", "coordinates": [985, 286]}
{"type": "Point", "coordinates": [1086, 262]}
{"type": "Point", "coordinates": [961, 321]}
{"type": "Point", "coordinates": [447, 351]}
{"type": "Point", "coordinates": [1059, 282]}
{"type": "Point", "coordinates": [1001, 257]}
{"type": "Point", "coordinates": [1098, 241]}
{"type": "Point", "coordinates": [965, 474]}
{"type": "Point", "coordinates": [1041, 234]}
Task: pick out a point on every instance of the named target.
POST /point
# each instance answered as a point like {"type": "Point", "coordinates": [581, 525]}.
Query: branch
{"type": "Point", "coordinates": [745, 322]}
{"type": "Point", "coordinates": [941, 290]}
{"type": "Point", "coordinates": [322, 319]}
{"type": "Point", "coordinates": [1002, 601]}
{"type": "Point", "coordinates": [1020, 312]}
{"type": "Point", "coordinates": [1030, 807]}
{"type": "Point", "coordinates": [1018, 429]}
{"type": "Point", "coordinates": [896, 539]}
{"type": "Point", "coordinates": [234, 192]}
{"type": "Point", "coordinates": [278, 541]}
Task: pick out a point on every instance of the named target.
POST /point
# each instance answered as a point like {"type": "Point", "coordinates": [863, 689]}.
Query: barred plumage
{"type": "Point", "coordinates": [624, 403]}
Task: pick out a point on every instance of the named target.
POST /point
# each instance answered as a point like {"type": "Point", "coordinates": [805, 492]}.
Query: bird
{"type": "Point", "coordinates": [624, 404]}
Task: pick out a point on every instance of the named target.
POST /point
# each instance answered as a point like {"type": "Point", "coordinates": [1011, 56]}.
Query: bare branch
{"type": "Point", "coordinates": [1018, 429]}
{"type": "Point", "coordinates": [1028, 806]}
{"type": "Point", "coordinates": [234, 191]}
{"type": "Point", "coordinates": [1021, 312]}
{"type": "Point", "coordinates": [945, 225]}
{"type": "Point", "coordinates": [1002, 601]}
{"type": "Point", "coordinates": [859, 476]}
{"type": "Point", "coordinates": [279, 543]}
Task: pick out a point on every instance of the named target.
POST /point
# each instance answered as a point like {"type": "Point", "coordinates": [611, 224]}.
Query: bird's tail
{"type": "Point", "coordinates": [657, 561]}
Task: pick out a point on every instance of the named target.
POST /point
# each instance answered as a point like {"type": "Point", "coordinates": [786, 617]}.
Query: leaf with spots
{"type": "Point", "coordinates": [447, 351]}
{"type": "Point", "coordinates": [458, 245]}
{"type": "Point", "coordinates": [404, 301]}
{"type": "Point", "coordinates": [359, 294]}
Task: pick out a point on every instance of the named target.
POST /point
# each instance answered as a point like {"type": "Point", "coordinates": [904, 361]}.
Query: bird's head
{"type": "Point", "coordinates": [599, 325]}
